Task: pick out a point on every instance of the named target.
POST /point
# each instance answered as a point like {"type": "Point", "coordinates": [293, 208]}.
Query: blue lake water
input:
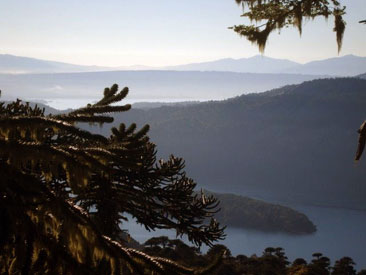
{"type": "Point", "coordinates": [341, 232]}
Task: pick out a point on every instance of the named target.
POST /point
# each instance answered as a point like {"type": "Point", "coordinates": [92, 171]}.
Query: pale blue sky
{"type": "Point", "coordinates": [159, 32]}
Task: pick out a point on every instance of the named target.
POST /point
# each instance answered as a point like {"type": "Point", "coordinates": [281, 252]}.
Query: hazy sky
{"type": "Point", "coordinates": [159, 32]}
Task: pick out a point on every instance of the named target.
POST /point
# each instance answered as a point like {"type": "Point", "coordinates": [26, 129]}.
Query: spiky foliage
{"type": "Point", "coordinates": [271, 15]}
{"type": "Point", "coordinates": [64, 192]}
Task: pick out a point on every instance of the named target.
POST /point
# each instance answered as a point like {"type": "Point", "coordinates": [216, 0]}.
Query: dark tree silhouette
{"type": "Point", "coordinates": [344, 266]}
{"type": "Point", "coordinates": [162, 241]}
{"type": "Point", "coordinates": [272, 262]}
{"type": "Point", "coordinates": [299, 261]}
{"type": "Point", "coordinates": [64, 191]}
{"type": "Point", "coordinates": [320, 265]}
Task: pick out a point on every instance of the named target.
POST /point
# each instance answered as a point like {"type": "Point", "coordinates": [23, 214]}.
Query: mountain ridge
{"type": "Point", "coordinates": [255, 64]}
{"type": "Point", "coordinates": [348, 65]}
{"type": "Point", "coordinates": [13, 64]}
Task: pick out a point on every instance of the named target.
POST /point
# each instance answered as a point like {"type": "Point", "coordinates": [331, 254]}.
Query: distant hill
{"type": "Point", "coordinates": [255, 64]}
{"type": "Point", "coordinates": [362, 76]}
{"type": "Point", "coordinates": [294, 144]}
{"type": "Point", "coordinates": [144, 85]}
{"type": "Point", "coordinates": [11, 64]}
{"type": "Point", "coordinates": [243, 212]}
{"type": "Point", "coordinates": [348, 65]}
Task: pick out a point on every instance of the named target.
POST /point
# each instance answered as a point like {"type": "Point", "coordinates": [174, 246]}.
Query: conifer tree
{"type": "Point", "coordinates": [344, 266]}
{"type": "Point", "coordinates": [64, 192]}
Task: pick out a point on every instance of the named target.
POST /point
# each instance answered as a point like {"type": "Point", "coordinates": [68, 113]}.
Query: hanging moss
{"type": "Point", "coordinates": [275, 15]}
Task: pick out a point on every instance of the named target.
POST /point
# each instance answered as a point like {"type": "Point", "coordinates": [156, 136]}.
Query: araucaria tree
{"type": "Point", "coordinates": [64, 192]}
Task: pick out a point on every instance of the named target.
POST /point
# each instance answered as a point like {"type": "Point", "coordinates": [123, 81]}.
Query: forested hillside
{"type": "Point", "coordinates": [243, 212]}
{"type": "Point", "coordinates": [293, 144]}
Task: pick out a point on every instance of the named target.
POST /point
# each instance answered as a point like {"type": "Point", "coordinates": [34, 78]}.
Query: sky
{"type": "Point", "coordinates": [159, 32]}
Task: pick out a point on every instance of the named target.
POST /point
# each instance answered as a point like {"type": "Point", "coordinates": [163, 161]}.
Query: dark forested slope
{"type": "Point", "coordinates": [243, 212]}
{"type": "Point", "coordinates": [293, 144]}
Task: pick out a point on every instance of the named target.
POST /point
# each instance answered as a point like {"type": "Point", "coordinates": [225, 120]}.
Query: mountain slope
{"type": "Point", "coordinates": [362, 76]}
{"type": "Point", "coordinates": [348, 65]}
{"type": "Point", "coordinates": [19, 64]}
{"type": "Point", "coordinates": [294, 144]}
{"type": "Point", "coordinates": [243, 212]}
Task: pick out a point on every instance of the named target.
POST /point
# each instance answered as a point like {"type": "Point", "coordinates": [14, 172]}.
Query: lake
{"type": "Point", "coordinates": [341, 232]}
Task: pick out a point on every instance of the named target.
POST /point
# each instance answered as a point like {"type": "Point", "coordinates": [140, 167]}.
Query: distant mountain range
{"type": "Point", "coordinates": [294, 144]}
{"type": "Point", "coordinates": [348, 65]}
